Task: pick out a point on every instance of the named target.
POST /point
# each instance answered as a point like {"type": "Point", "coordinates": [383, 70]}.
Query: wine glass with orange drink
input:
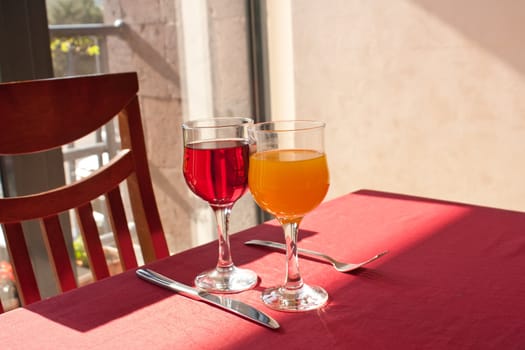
{"type": "Point", "coordinates": [288, 177]}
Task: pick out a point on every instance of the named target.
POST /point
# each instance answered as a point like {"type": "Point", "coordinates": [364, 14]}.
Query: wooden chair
{"type": "Point", "coordinates": [39, 115]}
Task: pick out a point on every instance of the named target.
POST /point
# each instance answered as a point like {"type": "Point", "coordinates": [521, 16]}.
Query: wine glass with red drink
{"type": "Point", "coordinates": [216, 156]}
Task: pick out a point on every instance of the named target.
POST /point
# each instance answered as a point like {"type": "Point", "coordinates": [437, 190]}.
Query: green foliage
{"type": "Point", "coordinates": [74, 12]}
{"type": "Point", "coordinates": [80, 253]}
{"type": "Point", "coordinates": [74, 55]}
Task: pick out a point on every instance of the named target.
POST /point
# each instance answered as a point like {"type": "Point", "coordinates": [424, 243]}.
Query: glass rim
{"type": "Point", "coordinates": [296, 125]}
{"type": "Point", "coordinates": [216, 123]}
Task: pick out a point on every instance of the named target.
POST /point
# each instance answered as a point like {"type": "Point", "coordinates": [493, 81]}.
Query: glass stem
{"type": "Point", "coordinates": [293, 277]}
{"type": "Point", "coordinates": [222, 216]}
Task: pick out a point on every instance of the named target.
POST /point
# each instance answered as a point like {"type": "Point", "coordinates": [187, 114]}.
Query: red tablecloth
{"type": "Point", "coordinates": [454, 279]}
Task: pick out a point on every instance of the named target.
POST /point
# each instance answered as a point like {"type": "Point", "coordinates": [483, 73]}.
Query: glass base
{"type": "Point", "coordinates": [226, 280]}
{"type": "Point", "coordinates": [294, 300]}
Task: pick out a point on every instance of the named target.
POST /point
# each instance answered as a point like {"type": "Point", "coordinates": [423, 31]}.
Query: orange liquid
{"type": "Point", "coordinates": [288, 183]}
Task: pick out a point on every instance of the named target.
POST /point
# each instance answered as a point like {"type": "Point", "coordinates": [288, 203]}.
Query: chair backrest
{"type": "Point", "coordinates": [40, 115]}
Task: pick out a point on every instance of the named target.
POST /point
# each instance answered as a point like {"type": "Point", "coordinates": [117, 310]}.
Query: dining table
{"type": "Point", "coordinates": [453, 278]}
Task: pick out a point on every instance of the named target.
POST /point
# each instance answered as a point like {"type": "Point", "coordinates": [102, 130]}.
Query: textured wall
{"type": "Point", "coordinates": [151, 44]}
{"type": "Point", "coordinates": [425, 97]}
{"type": "Point", "coordinates": [148, 45]}
{"type": "Point", "coordinates": [230, 63]}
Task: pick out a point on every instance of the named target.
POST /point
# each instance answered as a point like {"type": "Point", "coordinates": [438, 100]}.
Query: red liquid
{"type": "Point", "coordinates": [217, 171]}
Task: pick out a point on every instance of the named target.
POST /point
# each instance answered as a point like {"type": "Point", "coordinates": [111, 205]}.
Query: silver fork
{"type": "Point", "coordinates": [338, 265]}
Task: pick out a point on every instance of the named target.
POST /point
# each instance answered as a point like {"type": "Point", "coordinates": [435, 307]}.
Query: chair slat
{"type": "Point", "coordinates": [25, 276]}
{"type": "Point", "coordinates": [120, 227]}
{"type": "Point", "coordinates": [93, 246]}
{"type": "Point", "coordinates": [56, 247]}
{"type": "Point", "coordinates": [59, 200]}
{"type": "Point", "coordinates": [146, 214]}
{"type": "Point", "coordinates": [24, 107]}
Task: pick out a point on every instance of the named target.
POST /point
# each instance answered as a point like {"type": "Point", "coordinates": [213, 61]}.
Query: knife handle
{"type": "Point", "coordinates": [168, 283]}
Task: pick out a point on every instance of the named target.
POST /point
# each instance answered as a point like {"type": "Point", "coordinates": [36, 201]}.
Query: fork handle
{"type": "Point", "coordinates": [282, 246]}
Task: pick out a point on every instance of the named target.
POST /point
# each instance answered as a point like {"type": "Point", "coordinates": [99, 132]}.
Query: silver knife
{"type": "Point", "coordinates": [234, 306]}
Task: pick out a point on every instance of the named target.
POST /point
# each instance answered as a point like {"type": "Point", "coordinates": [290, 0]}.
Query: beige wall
{"type": "Point", "coordinates": [423, 97]}
{"type": "Point", "coordinates": [231, 87]}
{"type": "Point", "coordinates": [420, 97]}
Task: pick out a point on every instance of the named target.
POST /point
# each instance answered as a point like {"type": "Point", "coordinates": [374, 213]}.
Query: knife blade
{"type": "Point", "coordinates": [234, 306]}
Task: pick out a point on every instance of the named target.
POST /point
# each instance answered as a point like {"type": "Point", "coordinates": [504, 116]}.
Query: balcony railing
{"type": "Point", "coordinates": [105, 140]}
